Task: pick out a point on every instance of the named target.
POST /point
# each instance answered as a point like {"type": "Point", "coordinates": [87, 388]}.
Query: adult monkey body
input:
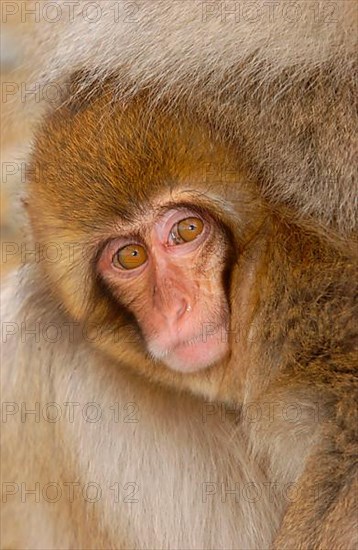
{"type": "Point", "coordinates": [313, 363]}
{"type": "Point", "coordinates": [276, 79]}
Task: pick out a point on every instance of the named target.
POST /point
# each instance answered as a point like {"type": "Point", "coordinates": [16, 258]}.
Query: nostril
{"type": "Point", "coordinates": [183, 307]}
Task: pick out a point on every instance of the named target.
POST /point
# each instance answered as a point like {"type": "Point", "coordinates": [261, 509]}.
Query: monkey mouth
{"type": "Point", "coordinates": [193, 354]}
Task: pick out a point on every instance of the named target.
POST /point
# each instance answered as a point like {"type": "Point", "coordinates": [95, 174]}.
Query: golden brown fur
{"type": "Point", "coordinates": [292, 341]}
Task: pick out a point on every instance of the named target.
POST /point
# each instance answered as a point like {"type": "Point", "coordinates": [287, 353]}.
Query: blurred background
{"type": "Point", "coordinates": [16, 67]}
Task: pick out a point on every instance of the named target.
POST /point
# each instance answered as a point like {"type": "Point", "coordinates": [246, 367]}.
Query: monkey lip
{"type": "Point", "coordinates": [194, 354]}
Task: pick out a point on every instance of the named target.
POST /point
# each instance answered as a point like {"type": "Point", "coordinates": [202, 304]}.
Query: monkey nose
{"type": "Point", "coordinates": [175, 311]}
{"type": "Point", "coordinates": [173, 304]}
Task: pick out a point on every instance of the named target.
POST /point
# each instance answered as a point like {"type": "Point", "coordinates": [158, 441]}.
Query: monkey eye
{"type": "Point", "coordinates": [130, 257]}
{"type": "Point", "coordinates": [186, 230]}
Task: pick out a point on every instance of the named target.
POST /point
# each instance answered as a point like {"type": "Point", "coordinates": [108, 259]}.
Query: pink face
{"type": "Point", "coordinates": [168, 272]}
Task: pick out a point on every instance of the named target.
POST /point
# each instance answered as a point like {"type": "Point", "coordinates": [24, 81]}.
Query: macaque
{"type": "Point", "coordinates": [183, 328]}
{"type": "Point", "coordinates": [181, 289]}
{"type": "Point", "coordinates": [113, 456]}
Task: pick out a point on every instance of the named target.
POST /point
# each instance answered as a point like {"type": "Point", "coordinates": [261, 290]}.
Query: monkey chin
{"type": "Point", "coordinates": [194, 355]}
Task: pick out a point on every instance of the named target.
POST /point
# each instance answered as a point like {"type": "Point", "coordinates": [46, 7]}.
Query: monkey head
{"type": "Point", "coordinates": [151, 215]}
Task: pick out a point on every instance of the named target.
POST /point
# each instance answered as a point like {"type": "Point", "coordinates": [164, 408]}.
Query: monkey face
{"type": "Point", "coordinates": [168, 272]}
{"type": "Point", "coordinates": [152, 216]}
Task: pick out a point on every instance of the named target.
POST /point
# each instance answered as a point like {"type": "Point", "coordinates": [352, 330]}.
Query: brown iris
{"type": "Point", "coordinates": [187, 230]}
{"type": "Point", "coordinates": [130, 256]}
